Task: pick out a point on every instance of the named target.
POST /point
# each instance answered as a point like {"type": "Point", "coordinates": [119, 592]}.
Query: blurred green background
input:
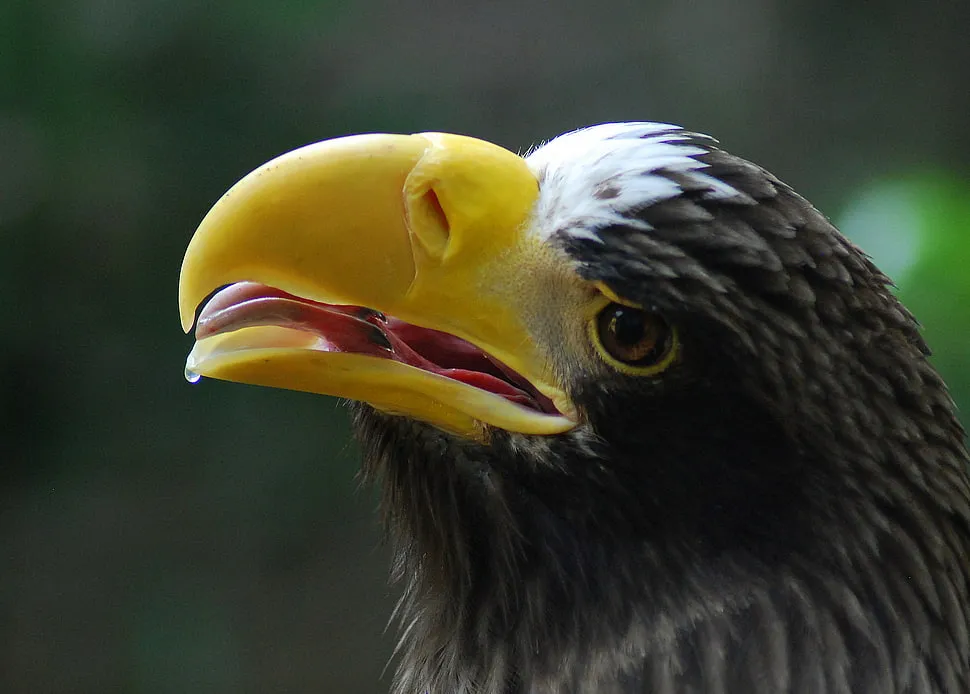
{"type": "Point", "coordinates": [162, 537]}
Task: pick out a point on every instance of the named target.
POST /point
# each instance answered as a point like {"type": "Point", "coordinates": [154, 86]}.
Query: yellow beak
{"type": "Point", "coordinates": [432, 229]}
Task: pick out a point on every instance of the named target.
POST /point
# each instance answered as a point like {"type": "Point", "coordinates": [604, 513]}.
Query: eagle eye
{"type": "Point", "coordinates": [634, 341]}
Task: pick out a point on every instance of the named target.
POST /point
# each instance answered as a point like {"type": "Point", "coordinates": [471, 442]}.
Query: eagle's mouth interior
{"type": "Point", "coordinates": [361, 330]}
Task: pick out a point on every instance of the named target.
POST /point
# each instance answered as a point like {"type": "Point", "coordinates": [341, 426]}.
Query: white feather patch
{"type": "Point", "coordinates": [626, 160]}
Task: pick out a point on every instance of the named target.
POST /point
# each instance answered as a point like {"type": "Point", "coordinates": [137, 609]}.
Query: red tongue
{"type": "Point", "coordinates": [248, 304]}
{"type": "Point", "coordinates": [355, 330]}
{"type": "Point", "coordinates": [238, 293]}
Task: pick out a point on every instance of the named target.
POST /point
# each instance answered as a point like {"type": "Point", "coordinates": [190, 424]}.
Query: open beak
{"type": "Point", "coordinates": [393, 269]}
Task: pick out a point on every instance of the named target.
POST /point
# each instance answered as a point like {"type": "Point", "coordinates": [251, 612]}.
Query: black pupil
{"type": "Point", "coordinates": [628, 326]}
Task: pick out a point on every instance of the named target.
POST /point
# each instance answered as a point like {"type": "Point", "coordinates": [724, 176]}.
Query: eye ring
{"type": "Point", "coordinates": [634, 341]}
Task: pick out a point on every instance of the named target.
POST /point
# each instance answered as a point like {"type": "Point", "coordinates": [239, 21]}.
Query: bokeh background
{"type": "Point", "coordinates": [162, 537]}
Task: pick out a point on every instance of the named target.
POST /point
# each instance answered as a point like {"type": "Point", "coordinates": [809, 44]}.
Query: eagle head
{"type": "Point", "coordinates": [642, 418]}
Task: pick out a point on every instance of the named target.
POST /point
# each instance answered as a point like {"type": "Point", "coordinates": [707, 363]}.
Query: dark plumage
{"type": "Point", "coordinates": [787, 510]}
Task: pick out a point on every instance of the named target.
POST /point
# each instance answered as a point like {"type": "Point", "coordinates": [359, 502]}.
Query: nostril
{"type": "Point", "coordinates": [435, 209]}
{"type": "Point", "coordinates": [429, 223]}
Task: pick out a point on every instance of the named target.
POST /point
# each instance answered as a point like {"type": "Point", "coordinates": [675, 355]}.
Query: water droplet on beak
{"type": "Point", "coordinates": [192, 376]}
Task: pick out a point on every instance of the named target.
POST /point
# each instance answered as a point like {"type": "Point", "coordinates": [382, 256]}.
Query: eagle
{"type": "Point", "coordinates": [642, 419]}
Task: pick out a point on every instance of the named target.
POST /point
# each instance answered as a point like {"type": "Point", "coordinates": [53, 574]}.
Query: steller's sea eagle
{"type": "Point", "coordinates": [643, 419]}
